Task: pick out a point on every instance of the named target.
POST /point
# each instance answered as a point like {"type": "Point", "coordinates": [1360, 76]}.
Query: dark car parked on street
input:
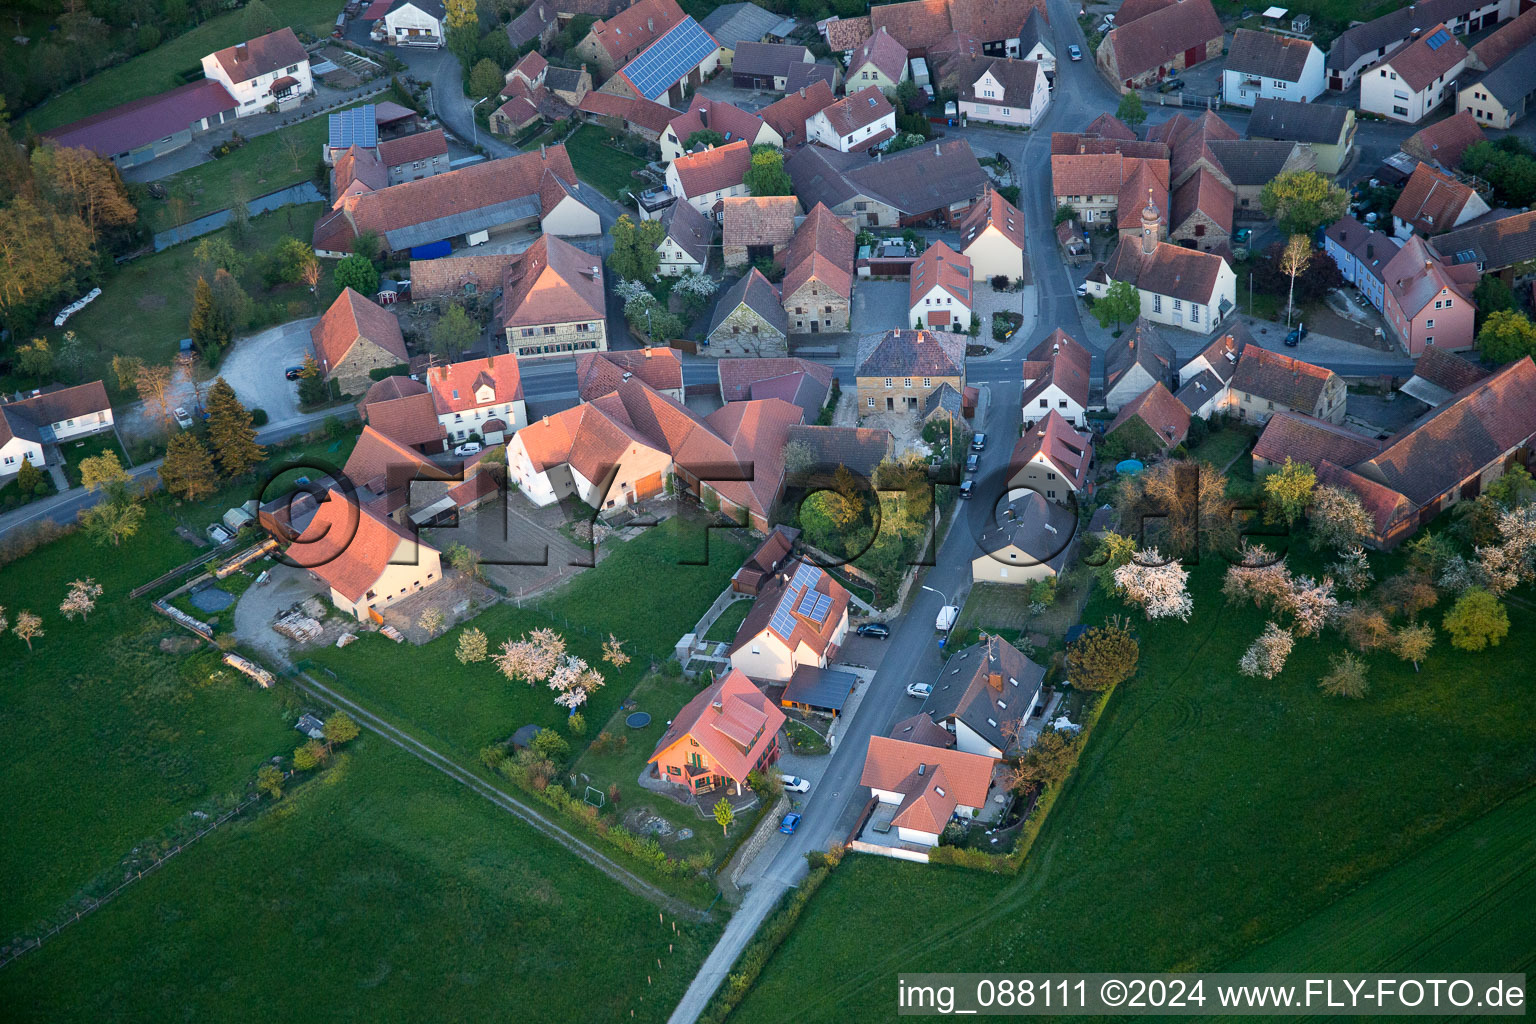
{"type": "Point", "coordinates": [878, 630]}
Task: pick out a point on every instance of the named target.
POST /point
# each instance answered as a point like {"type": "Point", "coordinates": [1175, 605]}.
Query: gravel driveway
{"type": "Point", "coordinates": [254, 368]}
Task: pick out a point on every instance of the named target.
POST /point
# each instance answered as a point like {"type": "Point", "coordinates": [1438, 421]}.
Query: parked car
{"type": "Point", "coordinates": [1075, 52]}
{"type": "Point", "coordinates": [1082, 290]}
{"type": "Point", "coordinates": [970, 462]}
{"type": "Point", "coordinates": [217, 533]}
{"type": "Point", "coordinates": [878, 630]}
{"type": "Point", "coordinates": [183, 420]}
{"type": "Point", "coordinates": [1171, 85]}
{"type": "Point", "coordinates": [922, 691]}
{"type": "Point", "coordinates": [1297, 336]}
{"type": "Point", "coordinates": [292, 373]}
{"type": "Point", "coordinates": [467, 448]}
{"type": "Point", "coordinates": [967, 489]}
{"type": "Point", "coordinates": [795, 784]}
{"type": "Point", "coordinates": [979, 442]}
{"type": "Point", "coordinates": [790, 823]}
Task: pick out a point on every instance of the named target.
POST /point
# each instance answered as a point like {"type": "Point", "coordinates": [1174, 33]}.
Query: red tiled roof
{"type": "Point", "coordinates": [779, 595]}
{"type": "Point", "coordinates": [449, 275]}
{"type": "Point", "coordinates": [1418, 65]}
{"type": "Point", "coordinates": [758, 220]}
{"type": "Point", "coordinates": [723, 718]}
{"type": "Point", "coordinates": [1308, 439]}
{"type": "Point", "coordinates": [1203, 192]}
{"type": "Point", "coordinates": [1159, 37]}
{"type": "Point", "coordinates": [787, 116]}
{"type": "Point", "coordinates": [553, 283]}
{"type": "Point", "coordinates": [882, 52]}
{"type": "Point", "coordinates": [357, 170]}
{"type": "Point", "coordinates": [893, 765]}
{"type": "Point", "coordinates": [350, 319]}
{"type": "Point", "coordinates": [1058, 360]}
{"type": "Point", "coordinates": [737, 375]}
{"type": "Point", "coordinates": [733, 123]}
{"type": "Point", "coordinates": [1145, 181]}
{"type": "Point", "coordinates": [409, 148]}
{"type": "Point", "coordinates": [633, 29]}
{"type": "Point", "coordinates": [410, 420]}
{"type": "Point", "coordinates": [1445, 141]}
{"type": "Point", "coordinates": [1385, 505]}
{"type": "Point", "coordinates": [1170, 270]}
{"type": "Point", "coordinates": [349, 547]}
{"type": "Point", "coordinates": [941, 267]}
{"type": "Point", "coordinates": [645, 113]}
{"type": "Point", "coordinates": [1055, 439]}
{"type": "Point", "coordinates": [1506, 40]}
{"type": "Point", "coordinates": [756, 432]}
{"type": "Point", "coordinates": [454, 385]}
{"type": "Point", "coordinates": [847, 33]}
{"type": "Point", "coordinates": [127, 127]}
{"type": "Point", "coordinates": [916, 23]}
{"type": "Point", "coordinates": [1431, 200]}
{"type": "Point", "coordinates": [1416, 275]}
{"type": "Point", "coordinates": [1279, 378]}
{"type": "Point", "coordinates": [993, 211]}
{"type": "Point", "coordinates": [600, 373]}
{"type": "Point", "coordinates": [262, 55]}
{"type": "Point", "coordinates": [1109, 126]}
{"type": "Point", "coordinates": [714, 169]}
{"type": "Point", "coordinates": [1095, 174]}
{"type": "Point", "coordinates": [864, 107]}
{"type": "Point", "coordinates": [823, 248]}
{"type": "Point", "coordinates": [1158, 409]}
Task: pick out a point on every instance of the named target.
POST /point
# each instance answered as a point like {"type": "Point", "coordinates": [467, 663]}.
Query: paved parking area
{"type": "Point", "coordinates": [879, 306]}
{"type": "Point", "coordinates": [521, 546]}
{"type": "Point", "coordinates": [259, 605]}
{"type": "Point", "coordinates": [254, 368]}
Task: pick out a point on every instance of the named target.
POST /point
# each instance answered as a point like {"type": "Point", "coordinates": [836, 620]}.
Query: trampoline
{"type": "Point", "coordinates": [638, 720]}
{"type": "Point", "coordinates": [211, 599]}
{"type": "Point", "coordinates": [1129, 467]}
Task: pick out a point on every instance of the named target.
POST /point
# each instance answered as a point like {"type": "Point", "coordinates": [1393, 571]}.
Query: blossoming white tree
{"type": "Point", "coordinates": [1311, 604]}
{"type": "Point", "coordinates": [1159, 586]}
{"type": "Point", "coordinates": [1266, 655]}
{"type": "Point", "coordinates": [81, 599]}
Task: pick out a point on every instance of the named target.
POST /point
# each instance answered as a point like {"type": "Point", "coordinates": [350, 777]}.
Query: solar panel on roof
{"type": "Point", "coordinates": [668, 59]}
{"type": "Point", "coordinates": [782, 622]}
{"type": "Point", "coordinates": [807, 602]}
{"type": "Point", "coordinates": [807, 575]}
{"type": "Point", "coordinates": [354, 127]}
{"type": "Point", "coordinates": [823, 602]}
{"type": "Point", "coordinates": [1438, 39]}
{"type": "Point", "coordinates": [1466, 256]}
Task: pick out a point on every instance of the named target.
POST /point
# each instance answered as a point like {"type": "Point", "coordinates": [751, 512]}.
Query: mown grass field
{"type": "Point", "coordinates": [466, 707]}
{"type": "Point", "coordinates": [108, 739]}
{"type": "Point", "coordinates": [154, 71]}
{"type": "Point", "coordinates": [600, 165]}
{"type": "Point", "coordinates": [382, 890]}
{"type": "Point", "coordinates": [1210, 813]}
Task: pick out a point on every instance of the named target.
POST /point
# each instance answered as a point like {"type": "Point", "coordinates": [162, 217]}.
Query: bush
{"type": "Point", "coordinates": [1000, 282]}
{"type": "Point", "coordinates": [259, 417]}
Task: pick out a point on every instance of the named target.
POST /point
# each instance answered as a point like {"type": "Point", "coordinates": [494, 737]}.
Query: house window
{"type": "Point", "coordinates": [1430, 323]}
{"type": "Point", "coordinates": [889, 382]}
{"type": "Point", "coordinates": [1178, 304]}
{"type": "Point", "coordinates": [1060, 403]}
{"type": "Point", "coordinates": [1194, 314]}
{"type": "Point", "coordinates": [927, 382]}
{"type": "Point", "coordinates": [1400, 111]}
{"type": "Point", "coordinates": [870, 402]}
{"type": "Point", "coordinates": [1157, 303]}
{"type": "Point", "coordinates": [1280, 86]}
{"type": "Point", "coordinates": [1437, 303]}
{"type": "Point", "coordinates": [906, 382]}
{"type": "Point", "coordinates": [1429, 340]}
{"type": "Point", "coordinates": [673, 769]}
{"type": "Point", "coordinates": [1044, 404]}
{"type": "Point", "coordinates": [1448, 301]}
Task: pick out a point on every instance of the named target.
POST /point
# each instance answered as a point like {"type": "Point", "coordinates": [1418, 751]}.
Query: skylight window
{"type": "Point", "coordinates": [1438, 39]}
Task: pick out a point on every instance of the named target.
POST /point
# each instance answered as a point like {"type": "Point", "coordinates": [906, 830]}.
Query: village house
{"type": "Point", "coordinates": [940, 290]}
{"type": "Point", "coordinates": [899, 369]}
{"type": "Point", "coordinates": [734, 24]}
{"type": "Point", "coordinates": [614, 41]}
{"type": "Point", "coordinates": [927, 785]}
{"type": "Point", "coordinates": [1053, 458]}
{"type": "Point", "coordinates": [1247, 165]}
{"type": "Point", "coordinates": [1169, 38]}
{"type": "Point", "coordinates": [1072, 241]}
{"type": "Point", "coordinates": [705, 114]}
{"type": "Point", "coordinates": [749, 319]}
{"type": "Point", "coordinates": [1327, 128]}
{"type": "Point", "coordinates": [408, 22]}
{"type": "Point", "coordinates": [1429, 302]}
{"type": "Point", "coordinates": [1503, 96]}
{"type": "Point", "coordinates": [765, 66]}
{"type": "Point", "coordinates": [788, 116]}
{"type": "Point", "coordinates": [854, 123]}
{"type": "Point", "coordinates": [1151, 423]}
{"type": "Point", "coordinates": [1361, 254]}
{"type": "Point", "coordinates": [1056, 379]}
{"type": "Point", "coordinates": [1267, 382]}
{"type": "Point", "coordinates": [552, 301]}
{"type": "Point", "coordinates": [1202, 212]}
{"type": "Point", "coordinates": [1502, 247]}
{"type": "Point", "coordinates": [1415, 79]}
{"type": "Point", "coordinates": [31, 426]}
{"type": "Point", "coordinates": [1134, 362]}
{"type": "Point", "coordinates": [1204, 380]}
{"type": "Point", "coordinates": [1003, 91]}
{"type": "Point", "coordinates": [817, 289]}
{"type": "Point", "coordinates": [992, 238]}
{"type": "Point", "coordinates": [1035, 41]}
{"type": "Point", "coordinates": [142, 130]}
{"type": "Point", "coordinates": [764, 563]}
{"type": "Point", "coordinates": [754, 228]}
{"type": "Point", "coordinates": [1444, 142]}
{"type": "Point", "coordinates": [844, 35]}
{"type": "Point", "coordinates": [366, 560]}
{"type": "Point", "coordinates": [684, 247]}
{"type": "Point", "coordinates": [356, 336]}
{"type": "Point", "coordinates": [1362, 45]}
{"type": "Point", "coordinates": [800, 382]}
{"type": "Point", "coordinates": [879, 61]}
{"type": "Point", "coordinates": [628, 114]}
{"type": "Point", "coordinates": [1091, 174]}
{"type": "Point", "coordinates": [703, 179]}
{"type": "Point", "coordinates": [1028, 541]}
{"type": "Point", "coordinates": [1179, 287]}
{"type": "Point", "coordinates": [939, 182]}
{"type": "Point", "coordinates": [860, 450]}
{"type": "Point", "coordinates": [800, 618]}
{"type": "Point", "coordinates": [478, 396]}
{"type": "Point", "coordinates": [1311, 441]}
{"type": "Point", "coordinates": [726, 732]}
{"type": "Point", "coordinates": [1439, 376]}
{"type": "Point", "coordinates": [1433, 202]}
{"type": "Point", "coordinates": [986, 692]}
{"type": "Point", "coordinates": [668, 69]}
{"type": "Point", "coordinates": [268, 72]}
{"type": "Point", "coordinates": [542, 19]}
{"type": "Point", "coordinates": [472, 203]}
{"type": "Point", "coordinates": [995, 25]}
{"type": "Point", "coordinates": [401, 409]}
{"type": "Point", "coordinates": [1263, 65]}
{"type": "Point", "coordinates": [601, 373]}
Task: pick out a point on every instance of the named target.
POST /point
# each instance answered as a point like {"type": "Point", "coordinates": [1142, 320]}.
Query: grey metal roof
{"type": "Point", "coordinates": [826, 688]}
{"type": "Point", "coordinates": [758, 295]}
{"type": "Point", "coordinates": [1513, 80]}
{"type": "Point", "coordinates": [1251, 161]}
{"type": "Point", "coordinates": [1035, 30]}
{"type": "Point", "coordinates": [735, 23]}
{"type": "Point", "coordinates": [1288, 120]}
{"type": "Point", "coordinates": [463, 223]}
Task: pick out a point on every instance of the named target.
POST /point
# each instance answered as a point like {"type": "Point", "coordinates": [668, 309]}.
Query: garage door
{"type": "Point", "coordinates": [938, 318]}
{"type": "Point", "coordinates": [648, 486]}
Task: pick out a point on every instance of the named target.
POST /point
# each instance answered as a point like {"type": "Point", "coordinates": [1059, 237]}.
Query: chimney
{"type": "Point", "coordinates": [704, 114]}
{"type": "Point", "coordinates": [542, 155]}
{"type": "Point", "coordinates": [1428, 264]}
{"type": "Point", "coordinates": [995, 680]}
{"type": "Point", "coordinates": [647, 352]}
{"type": "Point", "coordinates": [242, 52]}
{"type": "Point", "coordinates": [717, 705]}
{"type": "Point", "coordinates": [546, 421]}
{"type": "Point", "coordinates": [802, 92]}
{"type": "Point", "coordinates": [936, 150]}
{"type": "Point", "coordinates": [650, 24]}
{"type": "Point", "coordinates": [1370, 250]}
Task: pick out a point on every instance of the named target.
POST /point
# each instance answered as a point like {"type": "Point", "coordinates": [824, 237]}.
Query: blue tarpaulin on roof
{"type": "Point", "coordinates": [432, 250]}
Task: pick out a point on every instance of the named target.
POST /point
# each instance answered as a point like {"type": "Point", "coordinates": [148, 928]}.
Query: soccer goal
{"type": "Point", "coordinates": [595, 797]}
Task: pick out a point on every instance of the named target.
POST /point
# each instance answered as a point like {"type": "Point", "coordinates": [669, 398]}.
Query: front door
{"type": "Point", "coordinates": [890, 405]}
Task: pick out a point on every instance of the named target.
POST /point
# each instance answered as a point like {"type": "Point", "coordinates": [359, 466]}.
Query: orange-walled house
{"type": "Point", "coordinates": [727, 731]}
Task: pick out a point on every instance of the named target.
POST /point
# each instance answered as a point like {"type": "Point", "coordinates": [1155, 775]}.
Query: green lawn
{"type": "Point", "coordinates": [383, 889]}
{"type": "Point", "coordinates": [1210, 813]}
{"type": "Point", "coordinates": [1222, 446]}
{"type": "Point", "coordinates": [108, 739]}
{"type": "Point", "coordinates": [263, 165]}
{"type": "Point", "coordinates": [145, 304]}
{"type": "Point", "coordinates": [725, 627]}
{"type": "Point", "coordinates": [466, 707]}
{"type": "Point", "coordinates": [154, 71]}
{"type": "Point", "coordinates": [600, 165]}
{"type": "Point", "coordinates": [88, 448]}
